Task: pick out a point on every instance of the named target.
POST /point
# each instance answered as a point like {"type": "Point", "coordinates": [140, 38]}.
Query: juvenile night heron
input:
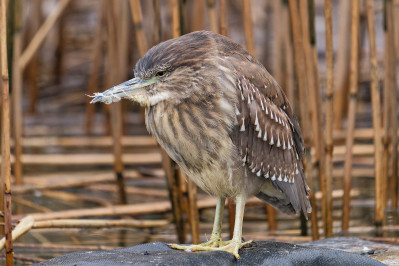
{"type": "Point", "coordinates": [225, 121]}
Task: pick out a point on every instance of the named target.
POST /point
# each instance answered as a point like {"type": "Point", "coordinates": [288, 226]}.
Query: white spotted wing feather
{"type": "Point", "coordinates": [265, 139]}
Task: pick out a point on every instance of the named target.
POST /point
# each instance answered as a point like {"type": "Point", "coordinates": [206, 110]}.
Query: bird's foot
{"type": "Point", "coordinates": [215, 244]}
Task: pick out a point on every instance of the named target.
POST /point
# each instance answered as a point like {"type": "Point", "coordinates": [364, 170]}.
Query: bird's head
{"type": "Point", "coordinates": [171, 70]}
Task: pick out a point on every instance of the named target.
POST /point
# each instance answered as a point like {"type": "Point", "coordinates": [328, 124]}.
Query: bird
{"type": "Point", "coordinates": [225, 121]}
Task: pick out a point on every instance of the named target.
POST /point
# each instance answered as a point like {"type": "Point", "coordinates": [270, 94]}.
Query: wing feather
{"type": "Point", "coordinates": [270, 143]}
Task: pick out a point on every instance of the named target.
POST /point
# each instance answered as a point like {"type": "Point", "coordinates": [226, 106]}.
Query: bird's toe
{"type": "Point", "coordinates": [233, 247]}
{"type": "Point", "coordinates": [176, 246]}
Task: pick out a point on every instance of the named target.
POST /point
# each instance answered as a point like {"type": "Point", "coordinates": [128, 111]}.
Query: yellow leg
{"type": "Point", "coordinates": [216, 237]}
{"type": "Point", "coordinates": [216, 243]}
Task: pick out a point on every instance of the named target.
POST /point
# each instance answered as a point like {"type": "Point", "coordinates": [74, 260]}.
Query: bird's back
{"type": "Point", "coordinates": [250, 68]}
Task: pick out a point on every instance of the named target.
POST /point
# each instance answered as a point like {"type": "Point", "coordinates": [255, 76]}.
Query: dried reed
{"type": "Point", "coordinates": [5, 200]}
{"type": "Point", "coordinates": [351, 112]}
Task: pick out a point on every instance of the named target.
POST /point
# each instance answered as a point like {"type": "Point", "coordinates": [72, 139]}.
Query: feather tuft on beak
{"type": "Point", "coordinates": [124, 90]}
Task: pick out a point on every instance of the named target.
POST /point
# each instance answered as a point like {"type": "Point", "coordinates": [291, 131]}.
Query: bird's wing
{"type": "Point", "coordinates": [265, 136]}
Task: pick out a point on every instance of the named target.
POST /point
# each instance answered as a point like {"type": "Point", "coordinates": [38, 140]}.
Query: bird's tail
{"type": "Point", "coordinates": [284, 206]}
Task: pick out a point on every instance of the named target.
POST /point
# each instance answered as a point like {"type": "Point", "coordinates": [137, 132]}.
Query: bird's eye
{"type": "Point", "coordinates": [160, 73]}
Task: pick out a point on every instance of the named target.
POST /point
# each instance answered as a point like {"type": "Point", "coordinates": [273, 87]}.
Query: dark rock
{"type": "Point", "coordinates": [258, 253]}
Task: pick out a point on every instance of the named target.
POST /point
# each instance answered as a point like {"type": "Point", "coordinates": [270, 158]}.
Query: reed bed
{"type": "Point", "coordinates": [76, 165]}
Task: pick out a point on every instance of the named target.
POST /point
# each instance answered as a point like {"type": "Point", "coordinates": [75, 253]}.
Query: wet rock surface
{"type": "Point", "coordinates": [385, 253]}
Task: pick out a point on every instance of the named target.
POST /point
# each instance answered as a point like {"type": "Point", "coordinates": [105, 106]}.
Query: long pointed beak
{"type": "Point", "coordinates": [125, 89]}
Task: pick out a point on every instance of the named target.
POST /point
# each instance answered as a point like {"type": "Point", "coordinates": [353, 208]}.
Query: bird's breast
{"type": "Point", "coordinates": [197, 138]}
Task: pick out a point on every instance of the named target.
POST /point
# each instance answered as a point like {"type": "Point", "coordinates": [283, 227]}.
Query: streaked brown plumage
{"type": "Point", "coordinates": [225, 121]}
